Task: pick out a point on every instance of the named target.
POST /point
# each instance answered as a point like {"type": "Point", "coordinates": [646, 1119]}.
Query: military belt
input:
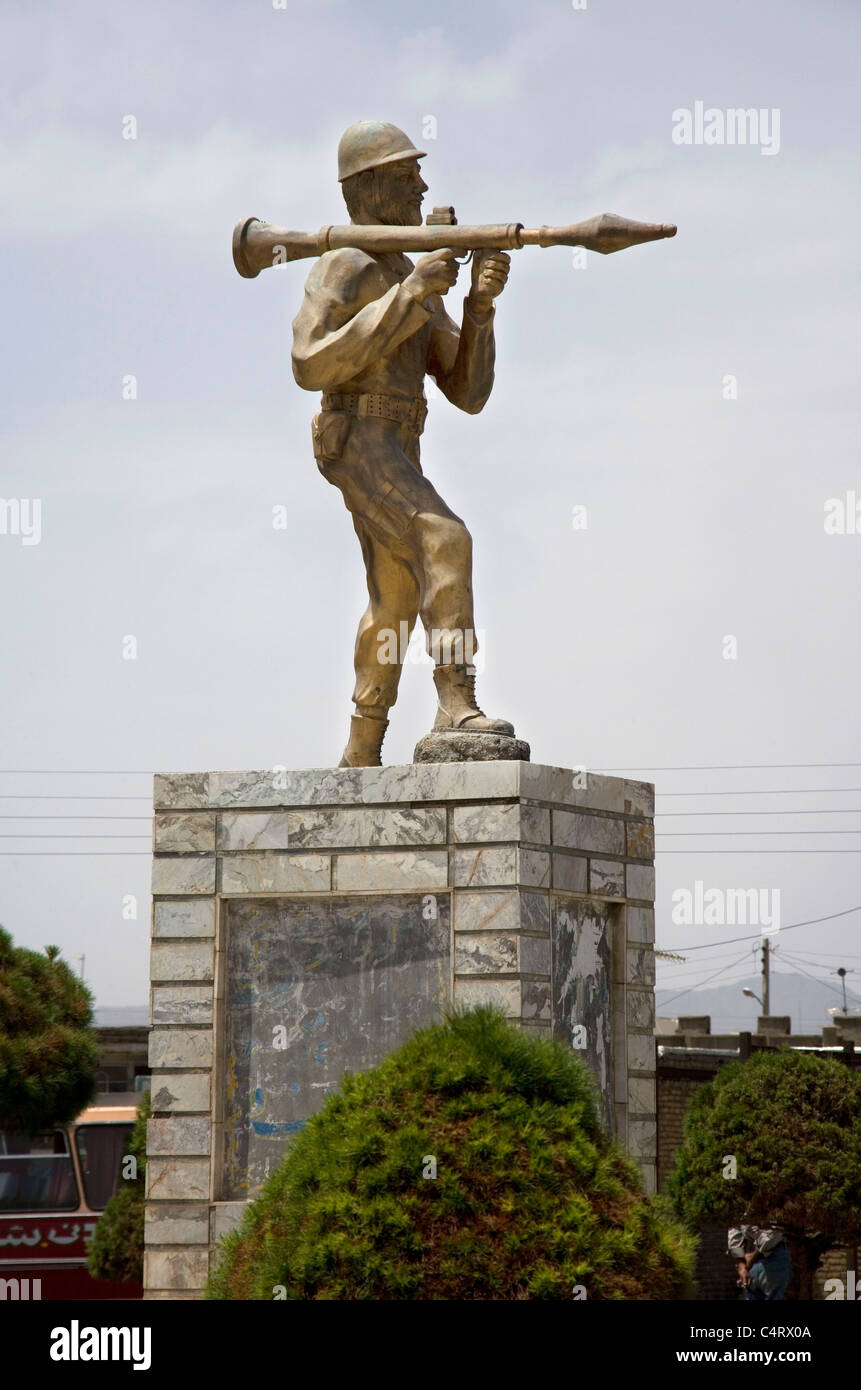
{"type": "Point", "coordinates": [410, 412]}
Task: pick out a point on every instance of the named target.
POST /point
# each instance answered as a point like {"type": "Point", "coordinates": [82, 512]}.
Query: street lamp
{"type": "Point", "coordinates": [750, 994]}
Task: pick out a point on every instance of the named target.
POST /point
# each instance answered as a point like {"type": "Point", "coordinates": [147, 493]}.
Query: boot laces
{"type": "Point", "coordinates": [470, 690]}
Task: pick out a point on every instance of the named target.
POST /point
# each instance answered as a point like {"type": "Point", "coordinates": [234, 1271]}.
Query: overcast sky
{"type": "Point", "coordinates": [605, 646]}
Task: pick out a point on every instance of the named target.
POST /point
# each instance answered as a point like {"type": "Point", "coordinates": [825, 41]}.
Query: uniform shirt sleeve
{"type": "Point", "coordinates": [343, 326]}
{"type": "Point", "coordinates": [461, 360]}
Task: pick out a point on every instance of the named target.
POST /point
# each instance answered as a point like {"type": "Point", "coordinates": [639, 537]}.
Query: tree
{"type": "Point", "coordinates": [48, 1051]}
{"type": "Point", "coordinates": [470, 1165]}
{"type": "Point", "coordinates": [117, 1249]}
{"type": "Point", "coordinates": [792, 1123]}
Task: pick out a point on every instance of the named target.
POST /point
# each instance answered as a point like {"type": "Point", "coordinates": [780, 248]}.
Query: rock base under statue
{"type": "Point", "coordinates": [466, 747]}
{"type": "Point", "coordinates": [308, 922]}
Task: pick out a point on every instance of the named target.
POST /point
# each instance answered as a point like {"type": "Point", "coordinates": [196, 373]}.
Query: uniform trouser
{"type": "Point", "coordinates": [417, 553]}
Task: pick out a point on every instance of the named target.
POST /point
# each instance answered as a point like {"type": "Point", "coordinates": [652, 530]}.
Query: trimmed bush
{"type": "Point", "coordinates": [530, 1198]}
{"type": "Point", "coordinates": [48, 1051]}
{"type": "Point", "coordinates": [793, 1124]}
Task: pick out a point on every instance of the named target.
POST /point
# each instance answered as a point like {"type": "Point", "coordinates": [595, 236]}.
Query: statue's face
{"type": "Point", "coordinates": [400, 188]}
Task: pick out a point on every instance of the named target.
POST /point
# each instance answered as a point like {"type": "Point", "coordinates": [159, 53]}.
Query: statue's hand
{"type": "Point", "coordinates": [434, 273]}
{"type": "Point", "coordinates": [489, 274]}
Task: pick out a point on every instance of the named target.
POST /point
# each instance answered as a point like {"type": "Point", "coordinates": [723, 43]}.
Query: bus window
{"type": "Point", "coordinates": [36, 1173]}
{"type": "Point", "coordinates": [100, 1152]}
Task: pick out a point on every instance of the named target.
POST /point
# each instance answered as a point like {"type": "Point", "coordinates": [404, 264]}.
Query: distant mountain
{"type": "Point", "coordinates": [806, 1001]}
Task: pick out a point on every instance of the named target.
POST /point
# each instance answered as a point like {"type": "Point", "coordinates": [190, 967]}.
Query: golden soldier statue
{"type": "Point", "coordinates": [370, 327]}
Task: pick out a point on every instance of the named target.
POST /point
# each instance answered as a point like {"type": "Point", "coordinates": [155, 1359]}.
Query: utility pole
{"type": "Point", "coordinates": [842, 973]}
{"type": "Point", "coordinates": [765, 999]}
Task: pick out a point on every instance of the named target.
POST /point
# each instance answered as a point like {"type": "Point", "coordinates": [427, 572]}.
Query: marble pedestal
{"type": "Point", "coordinates": [306, 923]}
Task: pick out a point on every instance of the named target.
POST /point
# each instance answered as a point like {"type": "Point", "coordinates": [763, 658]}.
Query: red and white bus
{"type": "Point", "coordinates": [53, 1187]}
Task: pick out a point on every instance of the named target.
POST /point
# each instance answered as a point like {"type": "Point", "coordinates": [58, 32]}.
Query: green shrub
{"type": "Point", "coordinates": [793, 1124]}
{"type": "Point", "coordinates": [117, 1249]}
{"type": "Point", "coordinates": [530, 1198]}
{"type": "Point", "coordinates": [48, 1051]}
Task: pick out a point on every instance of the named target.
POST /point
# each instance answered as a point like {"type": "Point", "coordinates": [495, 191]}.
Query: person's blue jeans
{"type": "Point", "coordinates": [770, 1275]}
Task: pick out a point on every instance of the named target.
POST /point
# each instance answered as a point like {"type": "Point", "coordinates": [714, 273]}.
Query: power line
{"type": "Point", "coordinates": [95, 816]}
{"type": "Point", "coordinates": [778, 811]}
{"type": "Point", "coordinates": [834, 955]}
{"type": "Point", "coordinates": [717, 767]}
{"type": "Point", "coordinates": [67, 853]}
{"type": "Point", "coordinates": [37, 835]}
{"type": "Point", "coordinates": [722, 971]}
{"type": "Point", "coordinates": [684, 834]}
{"type": "Point", "coordinates": [70, 796]}
{"type": "Point", "coordinates": [763, 850]}
{"type": "Point", "coordinates": [817, 980]}
{"type": "Point", "coordinates": [812, 922]}
{"type": "Point", "coordinates": [764, 791]}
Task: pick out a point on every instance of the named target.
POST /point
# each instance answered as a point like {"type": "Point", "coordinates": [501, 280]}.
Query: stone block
{"type": "Point", "coordinates": [640, 1005]}
{"type": "Point", "coordinates": [180, 1047]}
{"type": "Point", "coordinates": [486, 953]}
{"type": "Point", "coordinates": [483, 868]}
{"type": "Point", "coordinates": [569, 873]}
{"type": "Point", "coordinates": [641, 966]}
{"type": "Point", "coordinates": [183, 832]}
{"type": "Point", "coordinates": [405, 871]}
{"type": "Point", "coordinates": [650, 1177]}
{"type": "Point", "coordinates": [641, 1052]}
{"type": "Point", "coordinates": [641, 882]}
{"type": "Point", "coordinates": [482, 824]}
{"type": "Point", "coordinates": [364, 828]}
{"type": "Point", "coordinates": [181, 1091]}
{"type": "Point", "coordinates": [194, 874]}
{"type": "Point", "coordinates": [641, 1095]}
{"type": "Point", "coordinates": [640, 922]}
{"type": "Point", "coordinates": [598, 834]}
{"type": "Point", "coordinates": [535, 955]}
{"type": "Point", "coordinates": [244, 830]}
{"type": "Point", "coordinates": [224, 1218]}
{"type": "Point", "coordinates": [640, 843]}
{"type": "Point", "coordinates": [168, 1223]}
{"type": "Point", "coordinates": [176, 1269]}
{"type": "Point", "coordinates": [181, 1004]}
{"type": "Point", "coordinates": [559, 786]}
{"type": "Point", "coordinates": [185, 1179]}
{"type": "Point", "coordinates": [181, 960]}
{"type": "Point", "coordinates": [535, 912]}
{"type": "Point", "coordinates": [184, 917]}
{"type": "Point", "coordinates": [642, 1139]}
{"type": "Point", "coordinates": [535, 824]}
{"type": "Point", "coordinates": [487, 911]}
{"type": "Point", "coordinates": [639, 798]}
{"type": "Point", "coordinates": [179, 1135]}
{"type": "Point", "coordinates": [506, 910]}
{"type": "Point", "coordinates": [180, 789]}
{"type": "Point", "coordinates": [606, 878]}
{"type": "Point", "coordinates": [276, 873]}
{"type": "Point", "coordinates": [504, 993]}
{"type": "Point", "coordinates": [536, 1001]}
{"type": "Point", "coordinates": [533, 868]}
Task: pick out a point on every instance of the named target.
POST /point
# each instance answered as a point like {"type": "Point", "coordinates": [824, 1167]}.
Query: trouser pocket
{"type": "Point", "coordinates": [391, 512]}
{"type": "Point", "coordinates": [329, 432]}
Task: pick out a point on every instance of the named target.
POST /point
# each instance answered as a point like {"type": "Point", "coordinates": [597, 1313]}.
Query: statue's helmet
{"type": "Point", "coordinates": [368, 144]}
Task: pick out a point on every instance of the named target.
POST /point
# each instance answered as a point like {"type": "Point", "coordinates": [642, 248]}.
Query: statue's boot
{"type": "Point", "coordinates": [455, 688]}
{"type": "Point", "coordinates": [367, 730]}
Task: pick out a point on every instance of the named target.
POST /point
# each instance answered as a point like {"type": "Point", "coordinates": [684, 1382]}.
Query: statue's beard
{"type": "Point", "coordinates": [397, 211]}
